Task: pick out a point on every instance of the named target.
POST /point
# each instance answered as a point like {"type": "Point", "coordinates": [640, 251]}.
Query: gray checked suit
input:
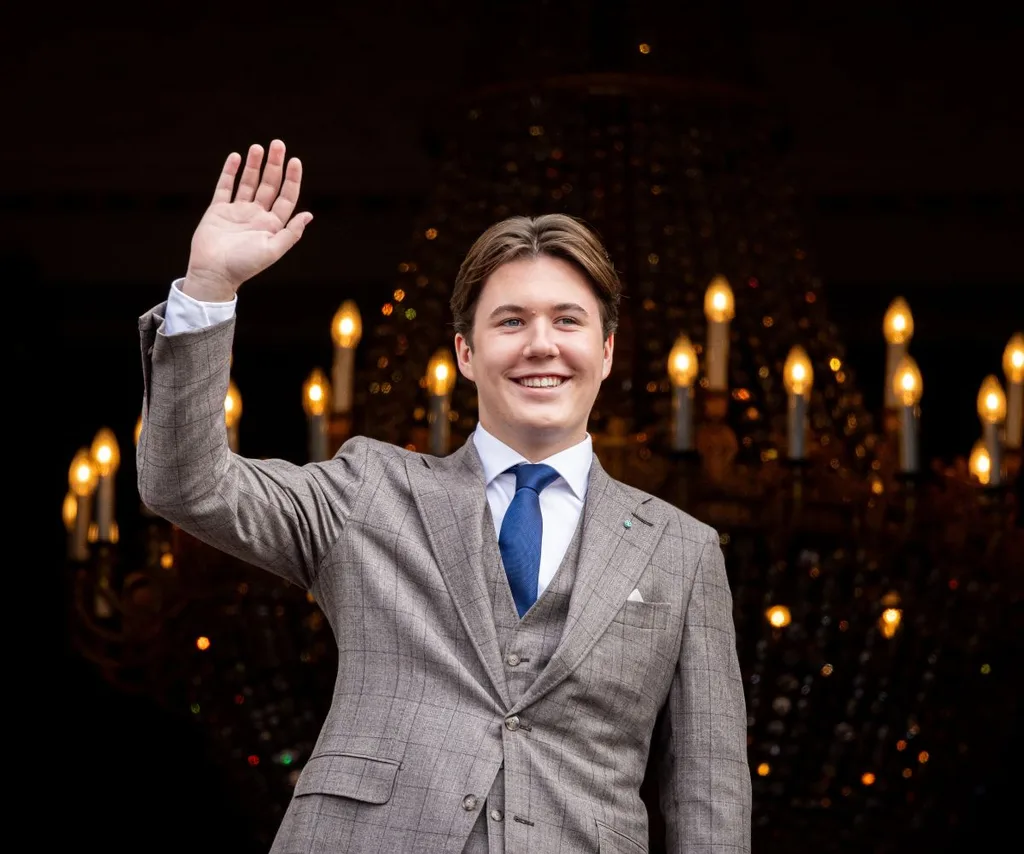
{"type": "Point", "coordinates": [455, 726]}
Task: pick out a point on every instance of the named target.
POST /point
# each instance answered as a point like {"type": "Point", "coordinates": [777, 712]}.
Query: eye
{"type": "Point", "coordinates": [568, 321]}
{"type": "Point", "coordinates": [510, 321]}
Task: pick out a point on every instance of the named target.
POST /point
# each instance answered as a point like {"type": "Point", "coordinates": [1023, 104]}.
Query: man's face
{"type": "Point", "coordinates": [538, 355]}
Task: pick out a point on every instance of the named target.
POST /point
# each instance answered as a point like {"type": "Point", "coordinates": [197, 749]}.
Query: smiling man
{"type": "Point", "coordinates": [533, 333]}
{"type": "Point", "coordinates": [517, 632]}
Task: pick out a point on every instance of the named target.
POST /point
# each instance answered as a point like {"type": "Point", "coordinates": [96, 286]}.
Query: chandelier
{"type": "Point", "coordinates": [873, 590]}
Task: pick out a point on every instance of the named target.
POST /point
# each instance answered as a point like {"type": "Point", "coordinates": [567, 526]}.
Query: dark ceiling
{"type": "Point", "coordinates": [904, 137]}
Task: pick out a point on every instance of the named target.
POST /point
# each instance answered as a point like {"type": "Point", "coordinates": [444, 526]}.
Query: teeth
{"type": "Point", "coordinates": [541, 382]}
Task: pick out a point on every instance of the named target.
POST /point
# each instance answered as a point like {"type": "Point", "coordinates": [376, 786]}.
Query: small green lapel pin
{"type": "Point", "coordinates": [628, 523]}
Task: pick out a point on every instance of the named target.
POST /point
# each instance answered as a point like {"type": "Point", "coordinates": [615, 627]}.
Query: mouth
{"type": "Point", "coordinates": [541, 381]}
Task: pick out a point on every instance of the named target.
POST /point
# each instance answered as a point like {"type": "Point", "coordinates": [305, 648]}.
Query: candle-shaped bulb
{"type": "Point", "coordinates": [441, 373]}
{"type": "Point", "coordinates": [906, 382]}
{"type": "Point", "coordinates": [69, 511]}
{"type": "Point", "coordinates": [719, 305]}
{"type": "Point", "coordinates": [232, 405]}
{"type": "Point", "coordinates": [797, 372]}
{"type": "Point", "coordinates": [83, 476]}
{"type": "Point", "coordinates": [682, 363]}
{"type": "Point", "coordinates": [104, 453]}
{"type": "Point", "coordinates": [138, 431]}
{"type": "Point", "coordinates": [316, 392]}
{"type": "Point", "coordinates": [898, 323]}
{"type": "Point", "coordinates": [991, 401]}
{"type": "Point", "coordinates": [980, 464]}
{"type": "Point", "coordinates": [347, 325]}
{"type": "Point", "coordinates": [1013, 359]}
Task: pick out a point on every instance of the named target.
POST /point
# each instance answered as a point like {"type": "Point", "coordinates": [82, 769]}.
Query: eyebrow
{"type": "Point", "coordinates": [508, 308]}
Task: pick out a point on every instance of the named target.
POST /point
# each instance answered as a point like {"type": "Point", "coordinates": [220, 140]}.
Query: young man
{"type": "Point", "coordinates": [510, 620]}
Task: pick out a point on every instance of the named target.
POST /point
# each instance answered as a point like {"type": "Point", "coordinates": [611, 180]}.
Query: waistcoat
{"type": "Point", "coordinates": [526, 645]}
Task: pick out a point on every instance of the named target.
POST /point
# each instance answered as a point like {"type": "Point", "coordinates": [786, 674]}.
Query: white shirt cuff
{"type": "Point", "coordinates": [185, 314]}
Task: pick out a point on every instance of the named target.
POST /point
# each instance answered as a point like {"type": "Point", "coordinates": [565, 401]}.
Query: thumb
{"type": "Point", "coordinates": [288, 236]}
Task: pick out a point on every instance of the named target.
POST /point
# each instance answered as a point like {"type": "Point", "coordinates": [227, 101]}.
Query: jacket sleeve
{"type": "Point", "coordinates": [704, 773]}
{"type": "Point", "coordinates": [271, 513]}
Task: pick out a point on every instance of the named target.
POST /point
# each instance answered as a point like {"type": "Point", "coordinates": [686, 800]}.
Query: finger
{"type": "Point", "coordinates": [226, 182]}
{"type": "Point", "coordinates": [289, 195]}
{"type": "Point", "coordinates": [288, 236]}
{"type": "Point", "coordinates": [250, 175]}
{"type": "Point", "coordinates": [266, 193]}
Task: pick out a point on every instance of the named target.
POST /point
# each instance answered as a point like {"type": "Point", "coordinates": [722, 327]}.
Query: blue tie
{"type": "Point", "coordinates": [521, 532]}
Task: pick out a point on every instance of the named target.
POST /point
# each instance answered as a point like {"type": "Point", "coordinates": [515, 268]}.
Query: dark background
{"type": "Point", "coordinates": [904, 139]}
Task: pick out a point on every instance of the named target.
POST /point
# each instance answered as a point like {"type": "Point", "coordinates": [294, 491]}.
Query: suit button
{"type": "Point", "coordinates": [512, 660]}
{"type": "Point", "coordinates": [496, 815]}
{"type": "Point", "coordinates": [469, 803]}
{"type": "Point", "coordinates": [512, 723]}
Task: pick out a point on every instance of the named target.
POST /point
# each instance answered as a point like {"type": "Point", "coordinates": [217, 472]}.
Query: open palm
{"type": "Point", "coordinates": [246, 230]}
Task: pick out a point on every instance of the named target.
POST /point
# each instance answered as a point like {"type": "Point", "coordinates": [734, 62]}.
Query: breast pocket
{"type": "Point", "coordinates": [644, 615]}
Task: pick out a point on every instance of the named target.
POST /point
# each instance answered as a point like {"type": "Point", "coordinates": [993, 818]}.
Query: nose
{"type": "Point", "coordinates": [540, 343]}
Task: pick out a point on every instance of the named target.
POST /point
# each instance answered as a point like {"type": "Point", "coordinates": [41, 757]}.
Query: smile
{"type": "Point", "coordinates": [541, 382]}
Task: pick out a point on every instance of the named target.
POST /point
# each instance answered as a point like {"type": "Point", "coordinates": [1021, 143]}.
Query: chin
{"type": "Point", "coordinates": [544, 427]}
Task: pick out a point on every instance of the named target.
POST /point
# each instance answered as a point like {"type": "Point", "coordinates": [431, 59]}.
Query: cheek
{"type": "Point", "coordinates": [588, 356]}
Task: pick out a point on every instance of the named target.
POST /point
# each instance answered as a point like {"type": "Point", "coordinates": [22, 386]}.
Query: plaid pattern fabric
{"type": "Point", "coordinates": [425, 719]}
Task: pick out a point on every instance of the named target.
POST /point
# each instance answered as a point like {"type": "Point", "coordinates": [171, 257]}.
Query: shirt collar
{"type": "Point", "coordinates": [572, 464]}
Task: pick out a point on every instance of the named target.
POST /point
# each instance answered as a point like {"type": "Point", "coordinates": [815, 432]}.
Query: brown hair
{"type": "Point", "coordinates": [519, 237]}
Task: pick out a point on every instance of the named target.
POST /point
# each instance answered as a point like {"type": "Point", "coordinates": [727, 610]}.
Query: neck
{"type": "Point", "coordinates": [538, 445]}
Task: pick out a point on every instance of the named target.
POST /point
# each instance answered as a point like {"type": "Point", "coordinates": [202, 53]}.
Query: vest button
{"type": "Point", "coordinates": [512, 723]}
{"type": "Point", "coordinates": [497, 815]}
{"type": "Point", "coordinates": [512, 660]}
{"type": "Point", "coordinates": [469, 803]}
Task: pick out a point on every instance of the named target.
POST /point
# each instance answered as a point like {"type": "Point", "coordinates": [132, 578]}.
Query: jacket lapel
{"type": "Point", "coordinates": [619, 537]}
{"type": "Point", "coordinates": [450, 494]}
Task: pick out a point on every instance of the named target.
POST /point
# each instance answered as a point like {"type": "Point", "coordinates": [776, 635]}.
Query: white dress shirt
{"type": "Point", "coordinates": [561, 503]}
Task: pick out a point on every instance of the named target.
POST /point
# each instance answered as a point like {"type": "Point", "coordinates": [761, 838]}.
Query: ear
{"type": "Point", "coordinates": [464, 354]}
{"type": "Point", "coordinates": [609, 348]}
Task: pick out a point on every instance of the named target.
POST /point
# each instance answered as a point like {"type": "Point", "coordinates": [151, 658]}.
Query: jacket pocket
{"type": "Point", "coordinates": [349, 775]}
{"type": "Point", "coordinates": [610, 841]}
{"type": "Point", "coordinates": [644, 615]}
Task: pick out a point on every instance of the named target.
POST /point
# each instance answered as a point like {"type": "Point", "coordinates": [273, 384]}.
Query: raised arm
{"type": "Point", "coordinates": [270, 513]}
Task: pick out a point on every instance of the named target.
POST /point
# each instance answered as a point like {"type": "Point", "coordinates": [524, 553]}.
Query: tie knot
{"type": "Point", "coordinates": [535, 476]}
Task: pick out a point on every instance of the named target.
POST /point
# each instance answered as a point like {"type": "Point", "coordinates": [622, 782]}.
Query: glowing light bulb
{"type": "Point", "coordinates": [991, 401]}
{"type": "Point", "coordinates": [347, 325]}
{"type": "Point", "coordinates": [441, 373]}
{"type": "Point", "coordinates": [1013, 358]}
{"type": "Point", "coordinates": [907, 383]}
{"type": "Point", "coordinates": [105, 454]}
{"type": "Point", "coordinates": [778, 616]}
{"type": "Point", "coordinates": [682, 362]}
{"type": "Point", "coordinates": [83, 475]}
{"type": "Point", "coordinates": [797, 373]}
{"type": "Point", "coordinates": [316, 392]}
{"type": "Point", "coordinates": [980, 464]}
{"type": "Point", "coordinates": [232, 405]}
{"type": "Point", "coordinates": [898, 323]}
{"type": "Point", "coordinates": [719, 304]}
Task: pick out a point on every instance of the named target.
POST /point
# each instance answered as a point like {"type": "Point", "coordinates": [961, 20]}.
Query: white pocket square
{"type": "Point", "coordinates": [635, 596]}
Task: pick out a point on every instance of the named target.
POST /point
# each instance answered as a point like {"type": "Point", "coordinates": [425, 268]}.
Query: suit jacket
{"type": "Point", "coordinates": [421, 725]}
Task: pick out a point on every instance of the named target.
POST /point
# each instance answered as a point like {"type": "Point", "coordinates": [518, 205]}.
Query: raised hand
{"type": "Point", "coordinates": [246, 230]}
